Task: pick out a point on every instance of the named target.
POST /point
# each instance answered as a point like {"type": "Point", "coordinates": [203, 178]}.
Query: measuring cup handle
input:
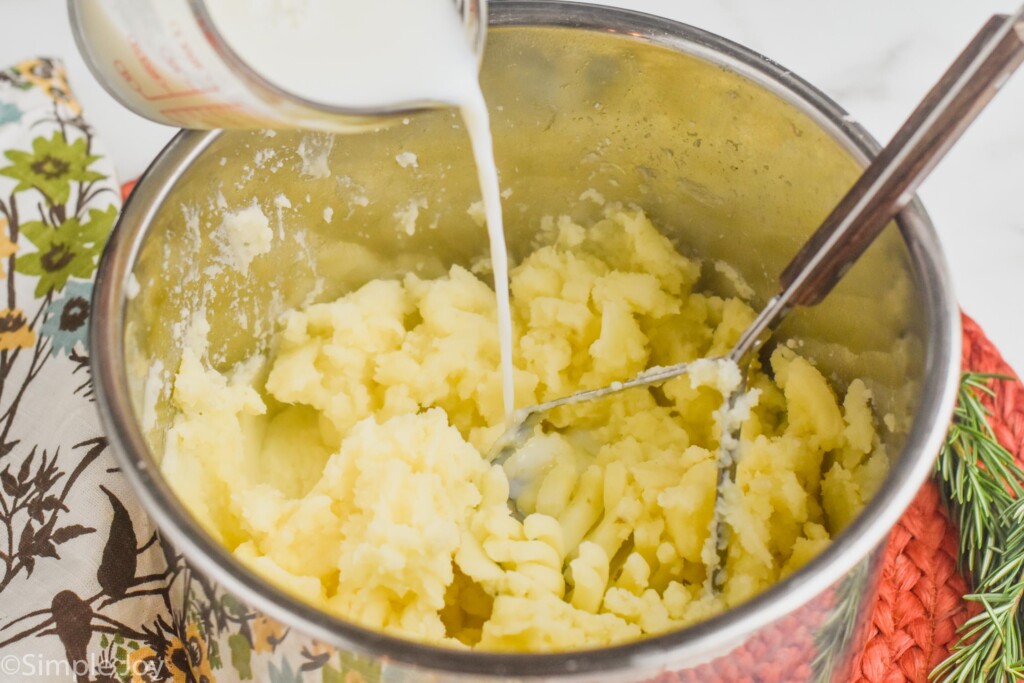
{"type": "Point", "coordinates": [888, 184]}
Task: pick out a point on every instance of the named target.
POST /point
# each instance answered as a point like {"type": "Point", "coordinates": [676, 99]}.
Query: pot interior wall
{"type": "Point", "coordinates": [729, 170]}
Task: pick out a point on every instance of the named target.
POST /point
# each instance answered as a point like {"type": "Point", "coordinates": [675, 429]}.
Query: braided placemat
{"type": "Point", "coordinates": [920, 601]}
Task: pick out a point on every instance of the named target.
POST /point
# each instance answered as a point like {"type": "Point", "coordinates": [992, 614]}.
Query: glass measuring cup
{"type": "Point", "coordinates": [167, 61]}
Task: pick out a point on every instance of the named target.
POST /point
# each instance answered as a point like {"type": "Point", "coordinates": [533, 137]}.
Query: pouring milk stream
{"type": "Point", "coordinates": [350, 55]}
{"type": "Point", "coordinates": [403, 50]}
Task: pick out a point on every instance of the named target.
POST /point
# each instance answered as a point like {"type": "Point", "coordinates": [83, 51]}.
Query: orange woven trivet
{"type": "Point", "coordinates": [920, 597]}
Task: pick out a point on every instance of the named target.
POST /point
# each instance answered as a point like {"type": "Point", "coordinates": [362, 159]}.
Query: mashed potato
{"type": "Point", "coordinates": [346, 468]}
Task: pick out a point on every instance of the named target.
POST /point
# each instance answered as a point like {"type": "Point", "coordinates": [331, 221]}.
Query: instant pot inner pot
{"type": "Point", "coordinates": [731, 172]}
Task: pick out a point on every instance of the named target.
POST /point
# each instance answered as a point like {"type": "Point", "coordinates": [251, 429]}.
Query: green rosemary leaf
{"type": "Point", "coordinates": [984, 489]}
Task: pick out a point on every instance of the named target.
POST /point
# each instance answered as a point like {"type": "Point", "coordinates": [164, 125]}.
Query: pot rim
{"type": "Point", "coordinates": [856, 543]}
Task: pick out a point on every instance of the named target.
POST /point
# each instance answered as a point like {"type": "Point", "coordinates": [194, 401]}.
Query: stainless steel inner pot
{"type": "Point", "coordinates": [734, 157]}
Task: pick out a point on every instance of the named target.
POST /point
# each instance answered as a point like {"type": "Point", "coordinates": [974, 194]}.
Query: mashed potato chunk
{"type": "Point", "coordinates": [351, 468]}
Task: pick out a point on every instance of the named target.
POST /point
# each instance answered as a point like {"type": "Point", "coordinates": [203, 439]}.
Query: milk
{"type": "Point", "coordinates": [478, 124]}
{"type": "Point", "coordinates": [353, 53]}
{"type": "Point", "coordinates": [367, 53]}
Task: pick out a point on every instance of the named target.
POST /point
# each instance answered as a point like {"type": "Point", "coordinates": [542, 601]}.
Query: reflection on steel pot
{"type": "Point", "coordinates": [739, 157]}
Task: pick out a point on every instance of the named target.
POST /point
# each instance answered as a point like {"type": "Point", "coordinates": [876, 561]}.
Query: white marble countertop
{"type": "Point", "coordinates": [877, 58]}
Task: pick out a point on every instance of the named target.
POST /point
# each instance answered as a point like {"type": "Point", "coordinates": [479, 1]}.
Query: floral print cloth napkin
{"type": "Point", "coordinates": [88, 591]}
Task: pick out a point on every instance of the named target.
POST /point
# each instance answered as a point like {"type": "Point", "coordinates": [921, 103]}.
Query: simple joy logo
{"type": "Point", "coordinates": [29, 666]}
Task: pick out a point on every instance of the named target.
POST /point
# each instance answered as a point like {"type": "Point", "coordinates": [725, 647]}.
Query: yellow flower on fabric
{"type": "Point", "coordinates": [267, 634]}
{"type": "Point", "coordinates": [49, 76]}
{"type": "Point", "coordinates": [14, 330]}
{"type": "Point", "coordinates": [7, 247]}
{"type": "Point", "coordinates": [188, 661]}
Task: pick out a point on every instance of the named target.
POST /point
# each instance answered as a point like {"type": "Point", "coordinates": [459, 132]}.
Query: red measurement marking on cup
{"type": "Point", "coordinates": [220, 106]}
{"type": "Point", "coordinates": [215, 114]}
{"type": "Point", "coordinates": [155, 77]}
{"type": "Point", "coordinates": [186, 48]}
{"type": "Point", "coordinates": [135, 84]}
{"type": "Point", "coordinates": [181, 93]}
{"type": "Point", "coordinates": [127, 77]}
{"type": "Point", "coordinates": [148, 67]}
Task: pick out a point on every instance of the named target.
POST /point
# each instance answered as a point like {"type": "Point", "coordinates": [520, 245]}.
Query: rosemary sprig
{"type": "Point", "coordinates": [984, 489]}
{"type": "Point", "coordinates": [836, 633]}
